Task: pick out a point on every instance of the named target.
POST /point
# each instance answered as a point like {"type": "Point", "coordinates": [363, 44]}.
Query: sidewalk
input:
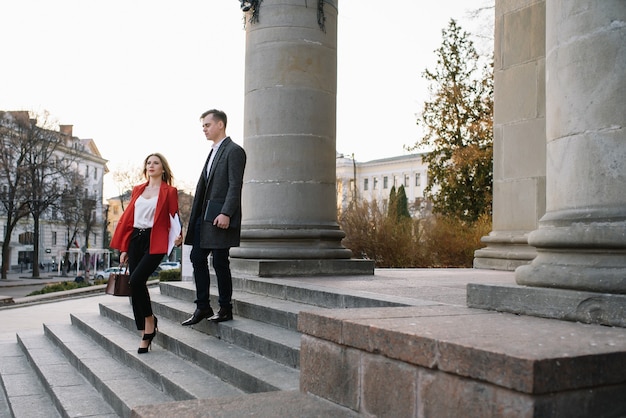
{"type": "Point", "coordinates": [25, 279]}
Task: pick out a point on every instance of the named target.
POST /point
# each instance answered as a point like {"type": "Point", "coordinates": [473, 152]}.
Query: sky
{"type": "Point", "coordinates": [135, 75]}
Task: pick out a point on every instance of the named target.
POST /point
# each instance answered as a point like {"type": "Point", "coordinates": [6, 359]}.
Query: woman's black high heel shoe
{"type": "Point", "coordinates": [149, 338]}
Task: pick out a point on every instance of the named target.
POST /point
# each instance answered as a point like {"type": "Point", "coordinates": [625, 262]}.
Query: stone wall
{"type": "Point", "coordinates": [451, 361]}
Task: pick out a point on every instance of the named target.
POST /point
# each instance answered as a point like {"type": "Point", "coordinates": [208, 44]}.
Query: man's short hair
{"type": "Point", "coordinates": [217, 114]}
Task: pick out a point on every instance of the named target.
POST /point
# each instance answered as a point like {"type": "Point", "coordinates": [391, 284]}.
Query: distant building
{"type": "Point", "coordinates": [374, 180]}
{"type": "Point", "coordinates": [116, 206]}
{"type": "Point", "coordinates": [54, 237]}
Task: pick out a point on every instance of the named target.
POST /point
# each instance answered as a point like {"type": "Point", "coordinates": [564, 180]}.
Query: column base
{"type": "Point", "coordinates": [293, 268]}
{"type": "Point", "coordinates": [569, 305]}
{"type": "Point", "coordinates": [504, 251]}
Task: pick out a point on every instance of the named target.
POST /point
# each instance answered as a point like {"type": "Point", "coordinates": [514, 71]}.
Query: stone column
{"type": "Point", "coordinates": [581, 240]}
{"type": "Point", "coordinates": [519, 169]}
{"type": "Point", "coordinates": [289, 196]}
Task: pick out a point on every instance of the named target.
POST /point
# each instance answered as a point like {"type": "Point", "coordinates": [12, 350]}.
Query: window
{"type": "Point", "coordinates": [417, 179]}
{"type": "Point", "coordinates": [365, 184]}
{"type": "Point", "coordinates": [86, 171]}
{"type": "Point", "coordinates": [406, 181]}
{"type": "Point", "coordinates": [26, 238]}
{"type": "Point", "coordinates": [54, 238]}
{"type": "Point", "coordinates": [385, 182]}
{"type": "Point", "coordinates": [95, 173]}
{"type": "Point", "coordinates": [375, 183]}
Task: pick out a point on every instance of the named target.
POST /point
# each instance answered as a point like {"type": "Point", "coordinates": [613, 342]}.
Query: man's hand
{"type": "Point", "coordinates": [222, 221]}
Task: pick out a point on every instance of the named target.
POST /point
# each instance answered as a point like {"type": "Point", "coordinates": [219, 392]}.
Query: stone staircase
{"type": "Point", "coordinates": [91, 367]}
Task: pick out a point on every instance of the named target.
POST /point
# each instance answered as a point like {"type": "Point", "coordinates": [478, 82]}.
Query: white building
{"type": "Point", "coordinates": [374, 180]}
{"type": "Point", "coordinates": [53, 232]}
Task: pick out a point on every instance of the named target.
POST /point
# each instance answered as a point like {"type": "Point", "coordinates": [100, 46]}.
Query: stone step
{"type": "Point", "coordinates": [63, 383]}
{"type": "Point", "coordinates": [298, 291]}
{"type": "Point", "coordinates": [23, 395]}
{"type": "Point", "coordinates": [180, 378]}
{"type": "Point", "coordinates": [249, 371]}
{"type": "Point", "coordinates": [258, 405]}
{"type": "Point", "coordinates": [274, 342]}
{"type": "Point", "coordinates": [262, 308]}
{"type": "Point", "coordinates": [122, 387]}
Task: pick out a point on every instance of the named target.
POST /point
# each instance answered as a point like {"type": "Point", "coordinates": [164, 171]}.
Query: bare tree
{"type": "Point", "coordinates": [35, 163]}
{"type": "Point", "coordinates": [125, 179]}
{"type": "Point", "coordinates": [14, 193]}
{"type": "Point", "coordinates": [70, 208]}
{"type": "Point", "coordinates": [185, 201]}
{"type": "Point", "coordinates": [49, 161]}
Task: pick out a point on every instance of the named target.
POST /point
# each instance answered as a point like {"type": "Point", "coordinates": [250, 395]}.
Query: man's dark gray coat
{"type": "Point", "coordinates": [223, 185]}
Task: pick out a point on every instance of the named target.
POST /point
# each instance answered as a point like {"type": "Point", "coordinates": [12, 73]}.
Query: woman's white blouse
{"type": "Point", "coordinates": [144, 212]}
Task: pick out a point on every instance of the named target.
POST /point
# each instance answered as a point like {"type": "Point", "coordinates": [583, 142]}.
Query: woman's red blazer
{"type": "Point", "coordinates": [167, 204]}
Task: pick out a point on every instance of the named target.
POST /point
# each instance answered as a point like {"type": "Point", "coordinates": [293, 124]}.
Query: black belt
{"type": "Point", "coordinates": [142, 230]}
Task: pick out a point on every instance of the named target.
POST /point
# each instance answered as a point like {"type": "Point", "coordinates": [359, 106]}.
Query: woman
{"type": "Point", "coordinates": [142, 237]}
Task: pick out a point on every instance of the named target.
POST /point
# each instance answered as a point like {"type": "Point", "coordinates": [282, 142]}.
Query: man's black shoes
{"type": "Point", "coordinates": [199, 315]}
{"type": "Point", "coordinates": [224, 314]}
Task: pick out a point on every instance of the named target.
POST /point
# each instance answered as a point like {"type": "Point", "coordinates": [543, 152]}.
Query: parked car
{"type": "Point", "coordinates": [104, 274]}
{"type": "Point", "coordinates": [169, 265]}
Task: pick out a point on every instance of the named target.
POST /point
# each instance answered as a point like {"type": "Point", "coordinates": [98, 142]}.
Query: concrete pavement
{"type": "Point", "coordinates": [30, 313]}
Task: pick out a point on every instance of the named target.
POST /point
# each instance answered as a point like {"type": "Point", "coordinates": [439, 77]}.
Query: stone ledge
{"type": "Point", "coordinates": [568, 305]}
{"type": "Point", "coordinates": [527, 354]}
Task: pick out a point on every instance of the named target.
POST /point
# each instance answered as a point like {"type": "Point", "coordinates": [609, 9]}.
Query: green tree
{"type": "Point", "coordinates": [392, 205]}
{"type": "Point", "coordinates": [402, 204]}
{"type": "Point", "coordinates": [458, 129]}
{"type": "Point", "coordinates": [398, 207]}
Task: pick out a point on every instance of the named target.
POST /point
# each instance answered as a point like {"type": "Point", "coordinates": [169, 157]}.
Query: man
{"type": "Point", "coordinates": [215, 221]}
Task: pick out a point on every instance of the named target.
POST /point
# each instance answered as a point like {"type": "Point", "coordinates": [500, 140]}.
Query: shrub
{"type": "Point", "coordinates": [389, 241]}
{"type": "Point", "coordinates": [406, 242]}
{"type": "Point", "coordinates": [58, 287]}
{"type": "Point", "coordinates": [173, 275]}
{"type": "Point", "coordinates": [452, 242]}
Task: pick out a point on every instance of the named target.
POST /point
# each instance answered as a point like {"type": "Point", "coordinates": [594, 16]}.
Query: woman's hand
{"type": "Point", "coordinates": [178, 240]}
{"type": "Point", "coordinates": [123, 258]}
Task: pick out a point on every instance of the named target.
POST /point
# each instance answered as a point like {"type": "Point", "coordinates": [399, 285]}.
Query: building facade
{"type": "Point", "coordinates": [374, 180]}
{"type": "Point", "coordinates": [56, 241]}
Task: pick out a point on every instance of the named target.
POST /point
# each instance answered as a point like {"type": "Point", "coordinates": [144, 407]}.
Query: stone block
{"type": "Point", "coordinates": [330, 371]}
{"type": "Point", "coordinates": [524, 149]}
{"type": "Point", "coordinates": [524, 35]}
{"type": "Point", "coordinates": [516, 92]}
{"type": "Point", "coordinates": [520, 203]}
{"type": "Point", "coordinates": [389, 388]}
{"type": "Point", "coordinates": [445, 395]}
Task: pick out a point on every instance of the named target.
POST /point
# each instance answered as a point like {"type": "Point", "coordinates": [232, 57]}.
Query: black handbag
{"type": "Point", "coordinates": [118, 284]}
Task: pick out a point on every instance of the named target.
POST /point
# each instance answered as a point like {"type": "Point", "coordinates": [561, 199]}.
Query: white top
{"type": "Point", "coordinates": [144, 212]}
{"type": "Point", "coordinates": [214, 149]}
